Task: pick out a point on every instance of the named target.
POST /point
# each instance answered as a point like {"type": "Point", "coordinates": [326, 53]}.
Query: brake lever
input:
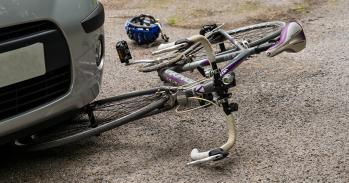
{"type": "Point", "coordinates": [210, 158]}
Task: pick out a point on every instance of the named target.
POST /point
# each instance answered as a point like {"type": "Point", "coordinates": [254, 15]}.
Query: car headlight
{"type": "Point", "coordinates": [99, 53]}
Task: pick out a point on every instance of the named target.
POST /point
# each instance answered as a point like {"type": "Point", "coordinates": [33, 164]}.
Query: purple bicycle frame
{"type": "Point", "coordinates": [235, 58]}
{"type": "Point", "coordinates": [173, 75]}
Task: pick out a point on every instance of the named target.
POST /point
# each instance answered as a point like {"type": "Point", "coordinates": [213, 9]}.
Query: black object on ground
{"type": "Point", "coordinates": [123, 51]}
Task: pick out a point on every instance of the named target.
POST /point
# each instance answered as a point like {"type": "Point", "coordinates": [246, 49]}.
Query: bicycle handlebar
{"type": "Point", "coordinates": [219, 153]}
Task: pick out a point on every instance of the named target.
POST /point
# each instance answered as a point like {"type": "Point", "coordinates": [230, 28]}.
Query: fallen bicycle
{"type": "Point", "coordinates": [202, 53]}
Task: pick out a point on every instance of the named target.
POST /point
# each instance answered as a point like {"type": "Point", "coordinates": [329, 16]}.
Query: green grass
{"type": "Point", "coordinates": [172, 20]}
{"type": "Point", "coordinates": [156, 3]}
{"type": "Point", "coordinates": [249, 6]}
{"type": "Point", "coordinates": [299, 7]}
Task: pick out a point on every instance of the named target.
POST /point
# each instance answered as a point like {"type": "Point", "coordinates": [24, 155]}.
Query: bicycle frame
{"type": "Point", "coordinates": [216, 91]}
{"type": "Point", "coordinates": [235, 58]}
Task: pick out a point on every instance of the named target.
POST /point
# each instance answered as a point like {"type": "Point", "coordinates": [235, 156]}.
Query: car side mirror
{"type": "Point", "coordinates": [292, 39]}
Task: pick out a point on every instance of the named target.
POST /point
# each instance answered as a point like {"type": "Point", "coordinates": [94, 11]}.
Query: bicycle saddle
{"type": "Point", "coordinates": [292, 39]}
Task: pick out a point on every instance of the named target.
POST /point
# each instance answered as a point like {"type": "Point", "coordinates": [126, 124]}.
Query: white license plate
{"type": "Point", "coordinates": [22, 64]}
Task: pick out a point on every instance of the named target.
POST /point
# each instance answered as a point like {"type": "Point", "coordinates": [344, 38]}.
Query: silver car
{"type": "Point", "coordinates": [51, 62]}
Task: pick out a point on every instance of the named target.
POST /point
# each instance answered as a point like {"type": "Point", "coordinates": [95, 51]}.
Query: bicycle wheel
{"type": "Point", "coordinates": [249, 36]}
{"type": "Point", "coordinates": [255, 34]}
{"type": "Point", "coordinates": [108, 113]}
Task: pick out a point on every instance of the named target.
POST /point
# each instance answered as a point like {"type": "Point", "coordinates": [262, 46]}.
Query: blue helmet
{"type": "Point", "coordinates": [143, 29]}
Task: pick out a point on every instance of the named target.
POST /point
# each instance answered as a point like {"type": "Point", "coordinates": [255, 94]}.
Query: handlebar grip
{"type": "Point", "coordinates": [196, 154]}
{"type": "Point", "coordinates": [165, 46]}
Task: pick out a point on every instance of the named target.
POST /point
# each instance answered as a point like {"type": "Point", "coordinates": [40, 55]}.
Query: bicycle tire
{"type": "Point", "coordinates": [134, 106]}
{"type": "Point", "coordinates": [256, 34]}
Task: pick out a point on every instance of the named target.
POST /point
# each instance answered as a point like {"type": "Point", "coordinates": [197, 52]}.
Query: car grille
{"type": "Point", "coordinates": [27, 95]}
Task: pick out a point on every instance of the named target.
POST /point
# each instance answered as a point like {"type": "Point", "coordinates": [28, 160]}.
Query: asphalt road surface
{"type": "Point", "coordinates": [293, 121]}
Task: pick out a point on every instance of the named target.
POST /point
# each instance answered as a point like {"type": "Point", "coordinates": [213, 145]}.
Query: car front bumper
{"type": "Point", "coordinates": [82, 44]}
